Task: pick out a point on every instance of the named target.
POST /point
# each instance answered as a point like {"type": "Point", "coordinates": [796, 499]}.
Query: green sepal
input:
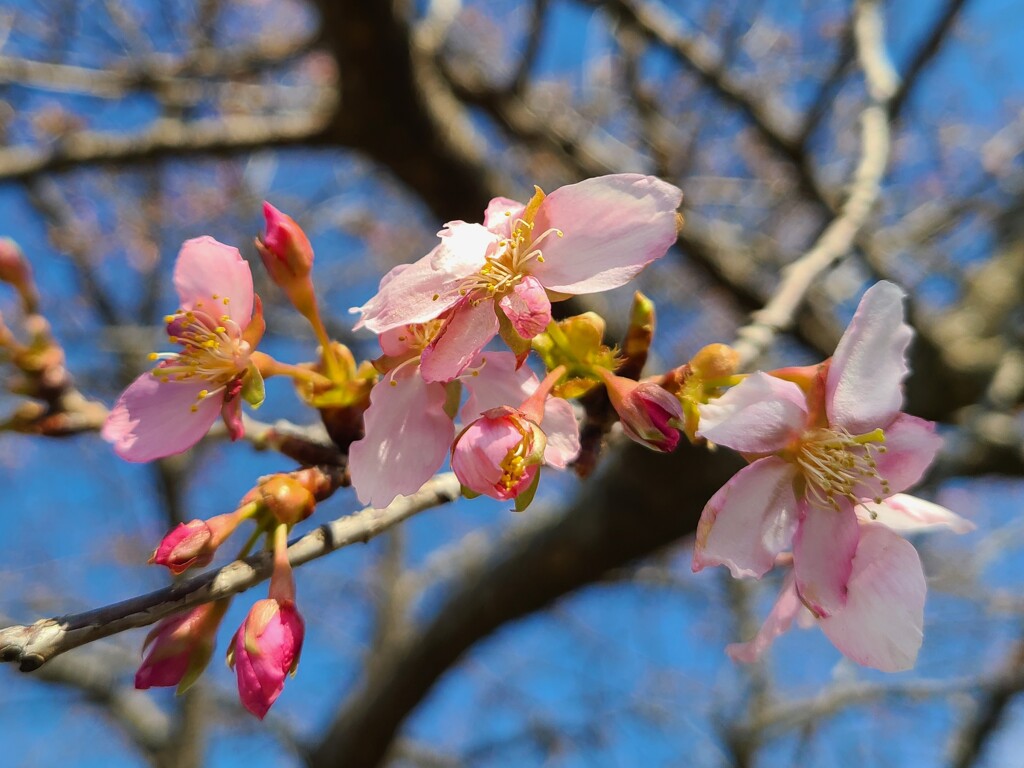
{"type": "Point", "coordinates": [452, 397]}
{"type": "Point", "coordinates": [197, 665]}
{"type": "Point", "coordinates": [524, 499]}
{"type": "Point", "coordinates": [253, 390]}
{"type": "Point", "coordinates": [469, 493]}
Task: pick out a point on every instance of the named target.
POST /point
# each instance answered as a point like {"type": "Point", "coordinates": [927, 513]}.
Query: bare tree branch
{"type": "Point", "coordinates": [838, 238]}
{"type": "Point", "coordinates": [33, 645]}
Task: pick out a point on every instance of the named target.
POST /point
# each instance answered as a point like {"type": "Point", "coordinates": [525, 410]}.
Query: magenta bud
{"type": "Point", "coordinates": [649, 414]}
{"type": "Point", "coordinates": [180, 648]}
{"type": "Point", "coordinates": [285, 249]}
{"type": "Point", "coordinates": [265, 650]}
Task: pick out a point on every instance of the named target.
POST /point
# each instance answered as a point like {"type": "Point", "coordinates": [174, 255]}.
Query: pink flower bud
{"type": "Point", "coordinates": [265, 649]}
{"type": "Point", "coordinates": [286, 251]}
{"type": "Point", "coordinates": [180, 648]}
{"type": "Point", "coordinates": [649, 415]}
{"type": "Point", "coordinates": [499, 454]}
{"type": "Point", "coordinates": [14, 268]}
{"type": "Point", "coordinates": [193, 544]}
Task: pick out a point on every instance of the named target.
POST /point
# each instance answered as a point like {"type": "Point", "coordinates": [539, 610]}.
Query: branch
{"type": "Point", "coordinates": [167, 137]}
{"type": "Point", "coordinates": [623, 513]}
{"type": "Point", "coordinates": [33, 645]}
{"type": "Point", "coordinates": [837, 240]}
{"type": "Point", "coordinates": [158, 72]}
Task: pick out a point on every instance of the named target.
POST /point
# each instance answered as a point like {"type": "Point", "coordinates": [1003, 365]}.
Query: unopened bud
{"type": "Point", "coordinates": [193, 544]}
{"type": "Point", "coordinates": [638, 336]}
{"type": "Point", "coordinates": [286, 251]}
{"type": "Point", "coordinates": [16, 271]}
{"type": "Point", "coordinates": [649, 415]}
{"type": "Point", "coordinates": [715, 361]}
{"type": "Point", "coordinates": [285, 497]}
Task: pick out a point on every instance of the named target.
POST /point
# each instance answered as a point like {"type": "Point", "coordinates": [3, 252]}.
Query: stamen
{"type": "Point", "coordinates": [838, 465]}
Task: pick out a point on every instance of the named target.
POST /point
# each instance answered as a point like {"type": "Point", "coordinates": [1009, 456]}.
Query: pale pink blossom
{"type": "Point", "coordinates": [501, 452]}
{"type": "Point", "coordinates": [409, 425]}
{"type": "Point", "coordinates": [265, 651]}
{"type": "Point", "coordinates": [169, 409]}
{"type": "Point", "coordinates": [819, 457]}
{"type": "Point", "coordinates": [582, 238]}
{"type": "Point", "coordinates": [881, 625]}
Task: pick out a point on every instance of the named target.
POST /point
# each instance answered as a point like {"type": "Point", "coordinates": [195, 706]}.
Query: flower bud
{"type": "Point", "coordinates": [265, 649]}
{"type": "Point", "coordinates": [285, 249]}
{"type": "Point", "coordinates": [285, 497]}
{"type": "Point", "coordinates": [715, 361]}
{"type": "Point", "coordinates": [14, 268]}
{"type": "Point", "coordinates": [288, 257]}
{"type": "Point", "coordinates": [499, 454]}
{"type": "Point", "coordinates": [184, 547]}
{"type": "Point", "coordinates": [649, 415]}
{"type": "Point", "coordinates": [16, 271]}
{"type": "Point", "coordinates": [193, 544]}
{"type": "Point", "coordinates": [181, 648]}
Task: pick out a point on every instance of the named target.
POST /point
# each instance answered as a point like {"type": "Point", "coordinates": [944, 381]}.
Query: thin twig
{"type": "Point", "coordinates": [33, 645]}
{"type": "Point", "coordinates": [837, 240]}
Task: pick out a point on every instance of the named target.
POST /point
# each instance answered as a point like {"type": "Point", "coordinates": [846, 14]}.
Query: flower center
{"type": "Point", "coordinates": [212, 350]}
{"type": "Point", "coordinates": [838, 465]}
{"type": "Point", "coordinates": [502, 273]}
{"type": "Point", "coordinates": [514, 465]}
{"type": "Point", "coordinates": [416, 336]}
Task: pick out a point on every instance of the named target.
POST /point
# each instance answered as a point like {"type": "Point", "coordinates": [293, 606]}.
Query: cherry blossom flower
{"type": "Point", "coordinates": [169, 409]}
{"type": "Point", "coordinates": [816, 457]}
{"type": "Point", "coordinates": [881, 625]}
{"type": "Point", "coordinates": [409, 425]}
{"type": "Point", "coordinates": [500, 453]}
{"type": "Point", "coordinates": [503, 275]}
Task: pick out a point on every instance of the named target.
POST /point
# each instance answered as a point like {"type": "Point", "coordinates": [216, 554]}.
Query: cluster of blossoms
{"type": "Point", "coordinates": [829, 450]}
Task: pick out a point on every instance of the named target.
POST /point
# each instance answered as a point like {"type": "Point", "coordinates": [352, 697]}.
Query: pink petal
{"type": "Point", "coordinates": [613, 227]}
{"type": "Point", "coordinates": [527, 307]}
{"type": "Point", "coordinates": [909, 514]}
{"type": "Point", "coordinates": [881, 625]}
{"type": "Point", "coordinates": [206, 268]}
{"type": "Point", "coordinates": [479, 451]}
{"type": "Point", "coordinates": [496, 382]}
{"type": "Point", "coordinates": [231, 415]}
{"type": "Point", "coordinates": [464, 248]}
{"type": "Point", "coordinates": [864, 386]}
{"type": "Point", "coordinates": [786, 608]}
{"type": "Point", "coordinates": [500, 214]}
{"type": "Point", "coordinates": [407, 437]}
{"type": "Point", "coordinates": [761, 414]}
{"type": "Point", "coordinates": [562, 431]}
{"type": "Point", "coordinates": [406, 295]}
{"type": "Point", "coordinates": [823, 551]}
{"type": "Point", "coordinates": [910, 448]}
{"type": "Point", "coordinates": [153, 419]}
{"type": "Point", "coordinates": [749, 521]}
{"type": "Point", "coordinates": [466, 331]}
